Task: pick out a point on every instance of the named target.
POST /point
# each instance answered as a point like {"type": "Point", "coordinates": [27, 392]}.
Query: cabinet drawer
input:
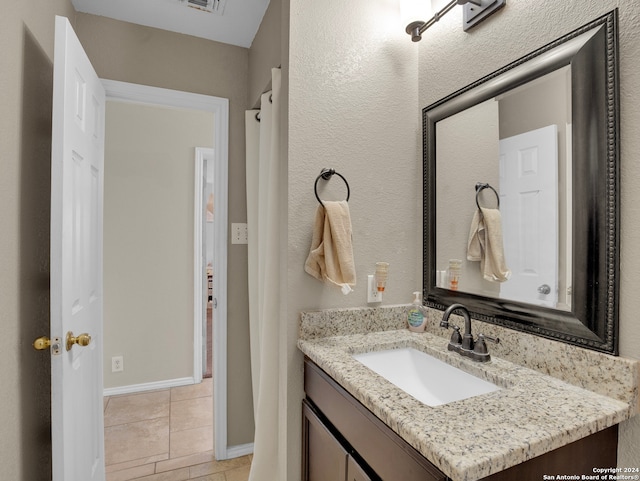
{"type": "Point", "coordinates": [391, 457]}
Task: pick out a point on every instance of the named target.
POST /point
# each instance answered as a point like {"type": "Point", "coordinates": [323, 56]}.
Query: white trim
{"type": "Point", "coordinates": [127, 92]}
{"type": "Point", "coordinates": [220, 245]}
{"type": "Point", "coordinates": [220, 226]}
{"type": "Point", "coordinates": [198, 268]}
{"type": "Point", "coordinates": [144, 94]}
{"type": "Point", "coordinates": [149, 386]}
{"type": "Point", "coordinates": [239, 450]}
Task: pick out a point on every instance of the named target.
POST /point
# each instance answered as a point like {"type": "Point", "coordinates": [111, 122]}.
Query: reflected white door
{"type": "Point", "coordinates": [528, 207]}
{"type": "Point", "coordinates": [77, 159]}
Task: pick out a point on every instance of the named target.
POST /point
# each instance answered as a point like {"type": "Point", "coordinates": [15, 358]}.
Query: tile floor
{"type": "Point", "coordinates": [166, 435]}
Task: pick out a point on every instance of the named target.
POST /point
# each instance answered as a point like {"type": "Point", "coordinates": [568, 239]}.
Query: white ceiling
{"type": "Point", "coordinates": [236, 26]}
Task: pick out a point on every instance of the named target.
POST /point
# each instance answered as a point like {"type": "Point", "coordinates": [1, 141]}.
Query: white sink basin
{"type": "Point", "coordinates": [424, 377]}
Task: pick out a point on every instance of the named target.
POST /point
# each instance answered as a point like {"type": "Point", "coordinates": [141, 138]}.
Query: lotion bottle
{"type": "Point", "coordinates": [417, 318]}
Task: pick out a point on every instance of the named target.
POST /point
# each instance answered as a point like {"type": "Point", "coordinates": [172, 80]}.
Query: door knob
{"type": "Point", "coordinates": [42, 343]}
{"type": "Point", "coordinates": [544, 289]}
{"type": "Point", "coordinates": [82, 340]}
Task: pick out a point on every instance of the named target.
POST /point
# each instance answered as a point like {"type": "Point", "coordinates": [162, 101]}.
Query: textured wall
{"type": "Point", "coordinates": [148, 239]}
{"type": "Point", "coordinates": [26, 81]}
{"type": "Point", "coordinates": [451, 58]}
{"type": "Point", "coordinates": [148, 56]}
{"type": "Point", "coordinates": [353, 107]}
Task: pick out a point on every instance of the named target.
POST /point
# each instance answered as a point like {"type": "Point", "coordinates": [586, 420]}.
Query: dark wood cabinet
{"type": "Point", "coordinates": [326, 458]}
{"type": "Point", "coordinates": [342, 439]}
{"type": "Point", "coordinates": [355, 471]}
{"type": "Point", "coordinates": [367, 439]}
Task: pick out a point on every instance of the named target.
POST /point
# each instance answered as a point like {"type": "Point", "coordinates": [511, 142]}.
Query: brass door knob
{"type": "Point", "coordinates": [42, 343]}
{"type": "Point", "coordinates": [82, 340]}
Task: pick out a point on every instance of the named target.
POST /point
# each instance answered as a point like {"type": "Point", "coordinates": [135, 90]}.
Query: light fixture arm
{"type": "Point", "coordinates": [417, 28]}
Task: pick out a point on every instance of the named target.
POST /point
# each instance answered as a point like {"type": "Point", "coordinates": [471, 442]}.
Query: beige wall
{"type": "Point", "coordinates": [353, 106]}
{"type": "Point", "coordinates": [26, 76]}
{"type": "Point", "coordinates": [451, 59]}
{"type": "Point", "coordinates": [148, 239]}
{"type": "Point", "coordinates": [148, 56]}
{"type": "Point", "coordinates": [467, 144]}
{"type": "Point", "coordinates": [265, 52]}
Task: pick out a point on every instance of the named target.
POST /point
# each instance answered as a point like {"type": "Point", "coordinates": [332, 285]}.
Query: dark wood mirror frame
{"type": "Point", "coordinates": [593, 319]}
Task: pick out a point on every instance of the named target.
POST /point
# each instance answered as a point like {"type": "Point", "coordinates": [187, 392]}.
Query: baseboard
{"type": "Point", "coordinates": [148, 386]}
{"type": "Point", "coordinates": [239, 450]}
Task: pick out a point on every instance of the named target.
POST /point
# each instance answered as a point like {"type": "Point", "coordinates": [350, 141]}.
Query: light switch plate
{"type": "Point", "coordinates": [239, 233]}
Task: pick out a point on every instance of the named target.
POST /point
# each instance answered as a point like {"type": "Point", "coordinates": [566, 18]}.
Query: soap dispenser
{"type": "Point", "coordinates": [417, 318]}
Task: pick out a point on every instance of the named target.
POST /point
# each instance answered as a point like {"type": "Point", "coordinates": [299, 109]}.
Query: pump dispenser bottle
{"type": "Point", "coordinates": [417, 318]}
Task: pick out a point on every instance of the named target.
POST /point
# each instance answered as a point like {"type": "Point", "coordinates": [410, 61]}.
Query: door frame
{"type": "Point", "coordinates": [202, 155]}
{"type": "Point", "coordinates": [220, 189]}
{"type": "Point", "coordinates": [219, 107]}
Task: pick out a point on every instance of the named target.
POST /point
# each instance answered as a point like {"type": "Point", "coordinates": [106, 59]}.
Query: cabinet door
{"type": "Point", "coordinates": [324, 458]}
{"type": "Point", "coordinates": [355, 472]}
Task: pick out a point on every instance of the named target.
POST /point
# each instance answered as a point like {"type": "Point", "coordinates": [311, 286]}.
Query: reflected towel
{"type": "Point", "coordinates": [485, 245]}
{"type": "Point", "coordinates": [330, 259]}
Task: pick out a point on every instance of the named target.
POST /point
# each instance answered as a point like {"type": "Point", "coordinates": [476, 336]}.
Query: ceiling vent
{"type": "Point", "coordinates": [211, 6]}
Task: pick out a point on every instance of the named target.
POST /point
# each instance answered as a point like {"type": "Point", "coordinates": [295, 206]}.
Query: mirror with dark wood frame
{"type": "Point", "coordinates": [467, 133]}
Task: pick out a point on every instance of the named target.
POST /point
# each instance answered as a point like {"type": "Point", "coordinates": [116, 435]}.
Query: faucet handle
{"type": "Point", "coordinates": [495, 340]}
{"type": "Point", "coordinates": [456, 337]}
{"type": "Point", "coordinates": [480, 346]}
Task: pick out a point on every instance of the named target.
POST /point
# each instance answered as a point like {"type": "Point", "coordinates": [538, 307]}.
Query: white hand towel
{"type": "Point", "coordinates": [485, 245]}
{"type": "Point", "coordinates": [330, 259]}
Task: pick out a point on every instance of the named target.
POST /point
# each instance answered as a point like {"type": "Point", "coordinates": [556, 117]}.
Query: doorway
{"type": "Point", "coordinates": [169, 344]}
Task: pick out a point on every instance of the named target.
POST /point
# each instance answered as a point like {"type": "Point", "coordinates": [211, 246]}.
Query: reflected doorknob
{"type": "Point", "coordinates": [82, 340]}
{"type": "Point", "coordinates": [544, 289]}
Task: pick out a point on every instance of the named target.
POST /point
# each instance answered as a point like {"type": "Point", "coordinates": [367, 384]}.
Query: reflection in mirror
{"type": "Point", "coordinates": [519, 143]}
{"type": "Point", "coordinates": [520, 196]}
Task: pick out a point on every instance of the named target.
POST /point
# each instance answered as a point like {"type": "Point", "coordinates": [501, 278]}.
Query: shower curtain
{"type": "Point", "coordinates": [263, 219]}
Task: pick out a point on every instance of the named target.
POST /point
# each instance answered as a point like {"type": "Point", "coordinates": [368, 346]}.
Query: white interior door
{"type": "Point", "coordinates": [528, 206]}
{"type": "Point", "coordinates": [76, 262]}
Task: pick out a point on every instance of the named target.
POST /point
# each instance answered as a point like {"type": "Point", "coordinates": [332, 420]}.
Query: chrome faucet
{"type": "Point", "coordinates": [465, 345]}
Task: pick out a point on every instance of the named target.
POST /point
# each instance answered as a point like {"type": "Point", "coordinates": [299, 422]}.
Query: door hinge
{"type": "Point", "coordinates": [215, 302]}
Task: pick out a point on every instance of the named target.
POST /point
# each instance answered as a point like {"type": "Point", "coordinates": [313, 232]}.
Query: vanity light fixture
{"type": "Point", "coordinates": [474, 12]}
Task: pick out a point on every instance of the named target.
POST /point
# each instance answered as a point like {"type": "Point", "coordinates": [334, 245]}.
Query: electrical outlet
{"type": "Point", "coordinates": [373, 295]}
{"type": "Point", "coordinates": [117, 364]}
{"type": "Point", "coordinates": [239, 233]}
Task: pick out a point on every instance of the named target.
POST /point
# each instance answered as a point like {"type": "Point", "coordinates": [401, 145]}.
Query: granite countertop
{"type": "Point", "coordinates": [469, 439]}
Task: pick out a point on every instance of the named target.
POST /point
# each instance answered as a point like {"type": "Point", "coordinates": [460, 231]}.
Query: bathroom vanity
{"type": "Point", "coordinates": [341, 436]}
{"type": "Point", "coordinates": [359, 426]}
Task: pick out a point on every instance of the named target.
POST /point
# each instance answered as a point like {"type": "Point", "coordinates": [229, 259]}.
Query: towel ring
{"type": "Point", "coordinates": [480, 187]}
{"type": "Point", "coordinates": [326, 174]}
